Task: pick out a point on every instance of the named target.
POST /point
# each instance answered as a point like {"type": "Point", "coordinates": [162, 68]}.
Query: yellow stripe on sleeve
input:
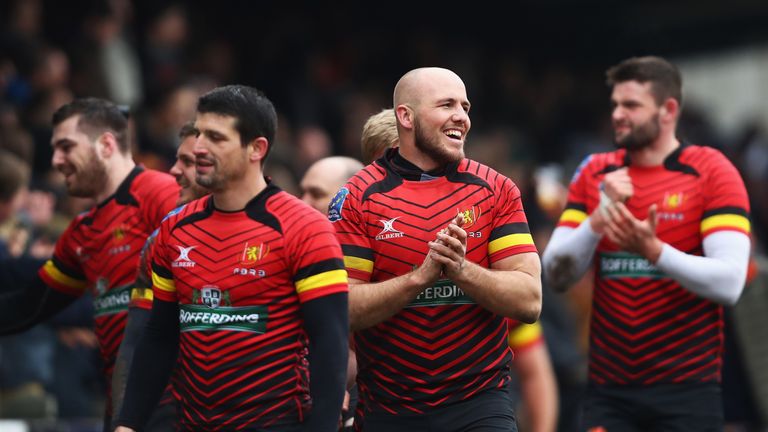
{"type": "Point", "coordinates": [141, 294]}
{"type": "Point", "coordinates": [509, 241]}
{"type": "Point", "coordinates": [524, 334]}
{"type": "Point", "coordinates": [57, 275]}
{"type": "Point", "coordinates": [321, 280]}
{"type": "Point", "coordinates": [164, 284]}
{"type": "Point", "coordinates": [573, 215]}
{"type": "Point", "coordinates": [356, 263]}
{"type": "Point", "coordinates": [725, 220]}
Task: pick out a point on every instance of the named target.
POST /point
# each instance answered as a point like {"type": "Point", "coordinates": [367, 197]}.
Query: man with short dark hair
{"type": "Point", "coordinates": [99, 249]}
{"type": "Point", "coordinates": [245, 281]}
{"type": "Point", "coordinates": [667, 223]}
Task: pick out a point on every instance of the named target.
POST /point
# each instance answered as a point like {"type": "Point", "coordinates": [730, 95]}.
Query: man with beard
{"type": "Point", "coordinates": [667, 223]}
{"type": "Point", "coordinates": [246, 282]}
{"type": "Point", "coordinates": [99, 250]}
{"type": "Point", "coordinates": [439, 256]}
{"type": "Point", "coordinates": [183, 171]}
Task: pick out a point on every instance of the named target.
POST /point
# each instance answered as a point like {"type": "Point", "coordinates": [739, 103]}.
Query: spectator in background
{"type": "Point", "coordinates": [668, 223]}
{"type": "Point", "coordinates": [379, 134]}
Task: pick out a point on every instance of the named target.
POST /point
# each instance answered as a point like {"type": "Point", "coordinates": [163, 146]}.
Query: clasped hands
{"type": "Point", "coordinates": [620, 226]}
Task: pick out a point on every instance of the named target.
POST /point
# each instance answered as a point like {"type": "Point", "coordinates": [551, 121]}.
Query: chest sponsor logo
{"type": "Point", "coordinates": [247, 319]}
{"type": "Point", "coordinates": [388, 230]}
{"type": "Point", "coordinates": [336, 205]}
{"type": "Point", "coordinates": [615, 265]}
{"type": "Point", "coordinates": [443, 292]}
{"type": "Point", "coordinates": [112, 302]}
{"type": "Point", "coordinates": [253, 254]}
{"type": "Point", "coordinates": [183, 259]}
{"type": "Point", "coordinates": [211, 296]}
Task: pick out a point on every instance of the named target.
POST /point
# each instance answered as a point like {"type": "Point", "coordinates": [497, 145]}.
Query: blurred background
{"type": "Point", "coordinates": [534, 71]}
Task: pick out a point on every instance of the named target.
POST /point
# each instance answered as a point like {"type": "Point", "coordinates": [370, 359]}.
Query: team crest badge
{"type": "Point", "coordinates": [334, 208]}
{"type": "Point", "coordinates": [673, 201]}
{"type": "Point", "coordinates": [252, 254]}
{"type": "Point", "coordinates": [471, 215]}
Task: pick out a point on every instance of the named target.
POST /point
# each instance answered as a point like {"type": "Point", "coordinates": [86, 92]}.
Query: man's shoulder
{"type": "Point", "coordinates": [149, 181]}
{"type": "Point", "coordinates": [288, 209]}
{"type": "Point", "coordinates": [185, 211]}
{"type": "Point", "coordinates": [702, 157]}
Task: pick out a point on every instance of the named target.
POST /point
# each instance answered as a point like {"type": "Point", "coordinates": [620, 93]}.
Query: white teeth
{"type": "Point", "coordinates": [453, 134]}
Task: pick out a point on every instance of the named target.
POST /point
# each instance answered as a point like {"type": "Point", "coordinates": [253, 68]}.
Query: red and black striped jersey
{"type": "Point", "coordinates": [443, 347]}
{"type": "Point", "coordinates": [99, 251]}
{"type": "Point", "coordinates": [239, 279]}
{"type": "Point", "coordinates": [646, 328]}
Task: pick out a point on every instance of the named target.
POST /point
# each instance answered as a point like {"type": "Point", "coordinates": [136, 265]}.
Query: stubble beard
{"type": "Point", "coordinates": [640, 137]}
{"type": "Point", "coordinates": [431, 147]}
{"type": "Point", "coordinates": [89, 179]}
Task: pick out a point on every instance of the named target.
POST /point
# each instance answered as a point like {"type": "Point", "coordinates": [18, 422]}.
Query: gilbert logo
{"type": "Point", "coordinates": [183, 259]}
{"type": "Point", "coordinates": [389, 231]}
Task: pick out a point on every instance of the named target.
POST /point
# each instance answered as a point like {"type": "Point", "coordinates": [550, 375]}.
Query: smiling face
{"type": "Point", "coordinates": [184, 171]}
{"type": "Point", "coordinates": [75, 155]}
{"type": "Point", "coordinates": [635, 116]}
{"type": "Point", "coordinates": [437, 100]}
{"type": "Point", "coordinates": [220, 159]}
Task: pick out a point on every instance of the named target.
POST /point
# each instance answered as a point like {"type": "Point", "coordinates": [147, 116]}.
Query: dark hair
{"type": "Point", "coordinates": [254, 114]}
{"type": "Point", "coordinates": [664, 77]}
{"type": "Point", "coordinates": [187, 130]}
{"type": "Point", "coordinates": [96, 117]}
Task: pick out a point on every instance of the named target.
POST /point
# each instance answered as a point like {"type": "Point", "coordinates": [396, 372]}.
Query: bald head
{"type": "Point", "coordinates": [324, 178]}
{"type": "Point", "coordinates": [432, 111]}
{"type": "Point", "coordinates": [415, 84]}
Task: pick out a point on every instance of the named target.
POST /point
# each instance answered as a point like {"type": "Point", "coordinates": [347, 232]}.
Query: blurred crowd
{"type": "Point", "coordinates": [533, 123]}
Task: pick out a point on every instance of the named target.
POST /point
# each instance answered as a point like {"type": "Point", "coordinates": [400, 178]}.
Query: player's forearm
{"type": "Point", "coordinates": [538, 388]}
{"type": "Point", "coordinates": [568, 255]}
{"type": "Point", "coordinates": [137, 320]}
{"type": "Point", "coordinates": [153, 361]}
{"type": "Point", "coordinates": [514, 294]}
{"type": "Point", "coordinates": [327, 326]}
{"type": "Point", "coordinates": [719, 275]}
{"type": "Point", "coordinates": [31, 302]}
{"type": "Point", "coordinates": [373, 303]}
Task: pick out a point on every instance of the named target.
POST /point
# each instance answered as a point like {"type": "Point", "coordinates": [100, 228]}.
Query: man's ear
{"type": "Point", "coordinates": [404, 115]}
{"type": "Point", "coordinates": [670, 110]}
{"type": "Point", "coordinates": [107, 145]}
{"type": "Point", "coordinates": [257, 149]}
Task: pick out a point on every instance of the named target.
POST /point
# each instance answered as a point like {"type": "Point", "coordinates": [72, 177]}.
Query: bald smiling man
{"type": "Point", "coordinates": [439, 255]}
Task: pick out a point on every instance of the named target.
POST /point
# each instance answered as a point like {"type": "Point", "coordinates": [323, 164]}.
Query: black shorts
{"type": "Point", "coordinates": [490, 411]}
{"type": "Point", "coordinates": [662, 408]}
